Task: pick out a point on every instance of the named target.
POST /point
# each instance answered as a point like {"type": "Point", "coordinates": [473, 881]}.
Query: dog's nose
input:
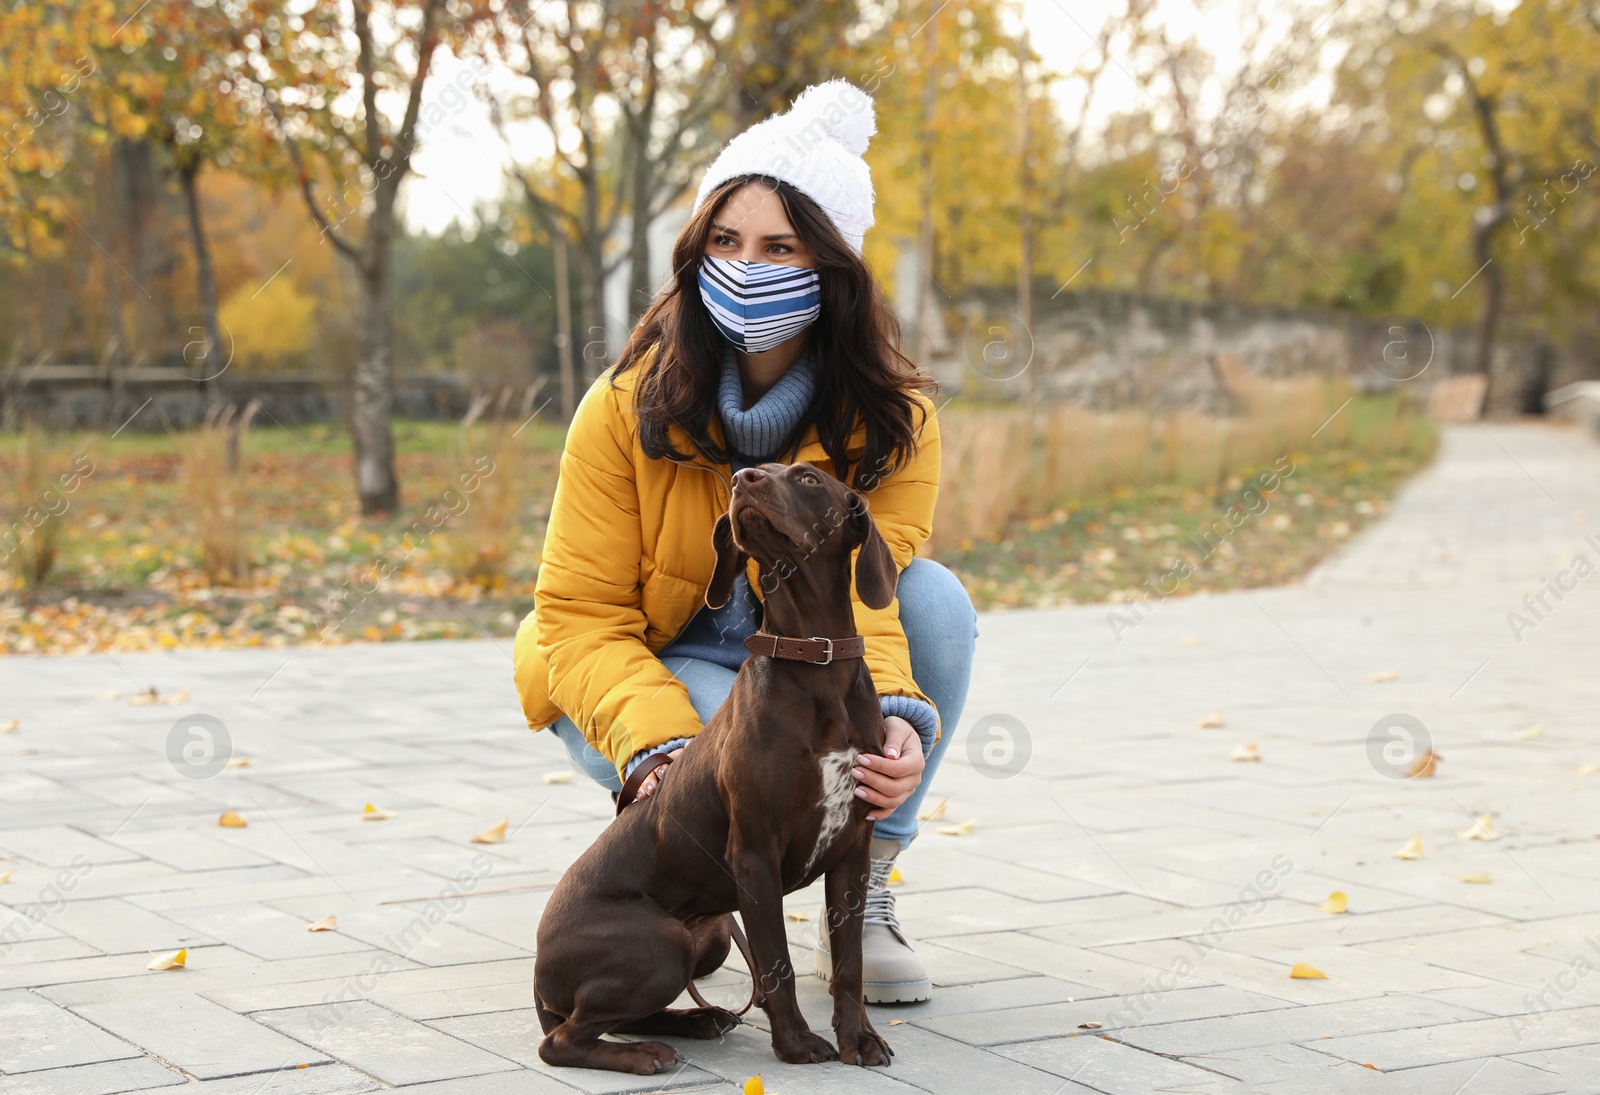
{"type": "Point", "coordinates": [749, 477]}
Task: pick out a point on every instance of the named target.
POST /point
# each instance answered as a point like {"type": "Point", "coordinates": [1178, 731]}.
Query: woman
{"type": "Point", "coordinates": [770, 343]}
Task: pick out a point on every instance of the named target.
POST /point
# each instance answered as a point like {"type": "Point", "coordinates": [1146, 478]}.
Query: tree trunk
{"type": "Point", "coordinates": [213, 362]}
{"type": "Point", "coordinates": [569, 382]}
{"type": "Point", "coordinates": [372, 403]}
{"type": "Point", "coordinates": [639, 287]}
{"type": "Point", "coordinates": [592, 276]}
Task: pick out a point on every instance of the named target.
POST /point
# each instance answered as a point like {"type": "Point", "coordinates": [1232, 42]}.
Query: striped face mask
{"type": "Point", "coordinates": [757, 305]}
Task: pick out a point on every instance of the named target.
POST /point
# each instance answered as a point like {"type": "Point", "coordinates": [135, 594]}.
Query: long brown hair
{"type": "Point", "coordinates": [855, 344]}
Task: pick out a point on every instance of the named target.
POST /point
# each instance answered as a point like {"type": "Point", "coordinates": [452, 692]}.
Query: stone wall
{"type": "Point", "coordinates": [1109, 350]}
{"type": "Point", "coordinates": [86, 396]}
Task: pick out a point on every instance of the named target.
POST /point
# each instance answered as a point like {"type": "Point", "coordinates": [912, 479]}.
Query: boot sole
{"type": "Point", "coordinates": [880, 992]}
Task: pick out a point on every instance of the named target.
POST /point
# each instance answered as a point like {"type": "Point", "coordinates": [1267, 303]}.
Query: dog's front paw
{"type": "Point", "coordinates": [804, 1048]}
{"type": "Point", "coordinates": [864, 1046]}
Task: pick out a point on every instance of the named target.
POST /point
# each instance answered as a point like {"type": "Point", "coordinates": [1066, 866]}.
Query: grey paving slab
{"type": "Point", "coordinates": [325, 1079]}
{"type": "Point", "coordinates": [113, 925]}
{"type": "Point", "coordinates": [1115, 1069]}
{"type": "Point", "coordinates": [1269, 1023]}
{"type": "Point", "coordinates": [109, 1078]}
{"type": "Point", "coordinates": [199, 1037]}
{"type": "Point", "coordinates": [36, 1034]}
{"type": "Point", "coordinates": [1018, 1020]}
{"type": "Point", "coordinates": [394, 1049]}
{"type": "Point", "coordinates": [1127, 841]}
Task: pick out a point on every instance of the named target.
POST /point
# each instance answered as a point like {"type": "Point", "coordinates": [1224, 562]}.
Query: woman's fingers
{"type": "Point", "coordinates": [653, 780]}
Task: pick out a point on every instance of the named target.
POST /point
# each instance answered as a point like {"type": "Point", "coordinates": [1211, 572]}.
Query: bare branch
{"type": "Point", "coordinates": [293, 146]}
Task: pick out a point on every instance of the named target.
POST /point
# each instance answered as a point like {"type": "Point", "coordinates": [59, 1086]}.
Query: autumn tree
{"type": "Point", "coordinates": [344, 86]}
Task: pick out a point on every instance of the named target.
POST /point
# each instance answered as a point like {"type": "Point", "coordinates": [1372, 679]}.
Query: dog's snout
{"type": "Point", "coordinates": [749, 477]}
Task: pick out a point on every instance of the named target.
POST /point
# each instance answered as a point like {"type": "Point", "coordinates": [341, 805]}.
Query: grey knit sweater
{"type": "Point", "coordinates": [754, 434]}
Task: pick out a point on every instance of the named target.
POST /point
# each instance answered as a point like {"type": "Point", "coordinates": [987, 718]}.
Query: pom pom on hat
{"type": "Point", "coordinates": [816, 147]}
{"type": "Point", "coordinates": [849, 120]}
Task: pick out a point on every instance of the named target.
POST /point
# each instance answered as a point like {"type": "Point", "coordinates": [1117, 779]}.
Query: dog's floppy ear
{"type": "Point", "coordinates": [875, 574]}
{"type": "Point", "coordinates": [730, 561]}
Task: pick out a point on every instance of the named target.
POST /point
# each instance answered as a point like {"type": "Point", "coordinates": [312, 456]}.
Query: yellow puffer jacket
{"type": "Point", "coordinates": [628, 558]}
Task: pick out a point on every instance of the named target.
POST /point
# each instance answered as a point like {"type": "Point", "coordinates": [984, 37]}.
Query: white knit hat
{"type": "Point", "coordinates": [816, 147]}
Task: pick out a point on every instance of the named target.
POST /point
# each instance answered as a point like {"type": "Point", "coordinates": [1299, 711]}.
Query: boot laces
{"type": "Point", "coordinates": [878, 908]}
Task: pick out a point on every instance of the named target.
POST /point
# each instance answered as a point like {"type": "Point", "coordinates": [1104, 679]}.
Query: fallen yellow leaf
{"type": "Point", "coordinates": [754, 1086]}
{"type": "Point", "coordinates": [5, 876]}
{"type": "Point", "coordinates": [1337, 903]}
{"type": "Point", "coordinates": [11, 727]}
{"type": "Point", "coordinates": [373, 813]}
{"type": "Point", "coordinates": [1191, 640]}
{"type": "Point", "coordinates": [1306, 970]}
{"type": "Point", "coordinates": [1481, 878]}
{"type": "Point", "coordinates": [897, 1022]}
{"type": "Point", "coordinates": [566, 777]}
{"type": "Point", "coordinates": [180, 696]}
{"type": "Point", "coordinates": [935, 812]}
{"type": "Point", "coordinates": [1211, 721]}
{"type": "Point", "coordinates": [1532, 733]}
{"type": "Point", "coordinates": [962, 829]}
{"type": "Point", "coordinates": [799, 917]}
{"type": "Point", "coordinates": [1412, 850]}
{"type": "Point", "coordinates": [1589, 770]}
{"type": "Point", "coordinates": [1424, 766]}
{"type": "Point", "coordinates": [1384, 675]}
{"type": "Point", "coordinates": [1481, 829]}
{"type": "Point", "coordinates": [238, 762]}
{"type": "Point", "coordinates": [895, 877]}
{"type": "Point", "coordinates": [174, 961]}
{"type": "Point", "coordinates": [328, 923]}
{"type": "Point", "coordinates": [494, 834]}
{"type": "Point", "coordinates": [232, 820]}
{"type": "Point", "coordinates": [1247, 751]}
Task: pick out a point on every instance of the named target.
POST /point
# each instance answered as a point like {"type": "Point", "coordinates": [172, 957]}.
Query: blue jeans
{"type": "Point", "coordinates": [941, 629]}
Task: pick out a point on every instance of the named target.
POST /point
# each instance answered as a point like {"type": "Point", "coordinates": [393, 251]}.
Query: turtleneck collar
{"type": "Point", "coordinates": [757, 432]}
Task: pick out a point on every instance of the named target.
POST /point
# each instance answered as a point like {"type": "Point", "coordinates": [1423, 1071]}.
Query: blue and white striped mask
{"type": "Point", "coordinates": [757, 305]}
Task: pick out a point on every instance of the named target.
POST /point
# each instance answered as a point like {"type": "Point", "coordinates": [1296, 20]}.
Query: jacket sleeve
{"type": "Point", "coordinates": [589, 623]}
{"type": "Point", "coordinates": [902, 506]}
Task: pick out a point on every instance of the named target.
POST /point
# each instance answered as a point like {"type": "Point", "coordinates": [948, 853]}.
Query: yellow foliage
{"type": "Point", "coordinates": [268, 323]}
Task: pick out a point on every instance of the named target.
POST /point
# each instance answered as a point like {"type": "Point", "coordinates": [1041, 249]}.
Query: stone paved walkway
{"type": "Point", "coordinates": [1121, 918]}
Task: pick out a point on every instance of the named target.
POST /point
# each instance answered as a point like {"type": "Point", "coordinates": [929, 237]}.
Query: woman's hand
{"type": "Point", "coordinates": [887, 781]}
{"type": "Point", "coordinates": [653, 780]}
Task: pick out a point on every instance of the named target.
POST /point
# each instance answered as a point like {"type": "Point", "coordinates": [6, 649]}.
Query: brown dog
{"type": "Point", "coordinates": [760, 804]}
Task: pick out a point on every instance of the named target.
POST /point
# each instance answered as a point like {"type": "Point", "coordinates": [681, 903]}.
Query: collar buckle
{"type": "Point", "coordinates": [829, 651]}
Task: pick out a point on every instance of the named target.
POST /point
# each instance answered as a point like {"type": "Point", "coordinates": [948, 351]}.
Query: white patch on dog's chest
{"type": "Point", "coordinates": [838, 795]}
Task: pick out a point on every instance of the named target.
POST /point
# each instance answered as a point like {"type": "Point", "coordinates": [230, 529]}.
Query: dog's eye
{"type": "Point", "coordinates": [811, 478]}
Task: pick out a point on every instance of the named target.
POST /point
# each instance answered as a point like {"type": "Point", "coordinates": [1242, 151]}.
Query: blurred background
{"type": "Point", "coordinates": [296, 298]}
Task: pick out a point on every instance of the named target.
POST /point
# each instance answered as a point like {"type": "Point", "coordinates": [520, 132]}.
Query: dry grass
{"type": "Point", "coordinates": [1004, 465]}
{"type": "Point", "coordinates": [484, 535]}
{"type": "Point", "coordinates": [215, 471]}
{"type": "Point", "coordinates": [31, 538]}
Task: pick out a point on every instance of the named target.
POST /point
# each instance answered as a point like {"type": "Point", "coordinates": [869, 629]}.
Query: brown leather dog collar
{"type": "Point", "coordinates": [816, 649]}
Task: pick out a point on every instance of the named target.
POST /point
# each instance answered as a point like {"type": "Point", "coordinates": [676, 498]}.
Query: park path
{"type": "Point", "coordinates": [1121, 917]}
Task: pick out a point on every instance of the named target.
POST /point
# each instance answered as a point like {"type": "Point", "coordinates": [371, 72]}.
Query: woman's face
{"type": "Point", "coordinates": [752, 225]}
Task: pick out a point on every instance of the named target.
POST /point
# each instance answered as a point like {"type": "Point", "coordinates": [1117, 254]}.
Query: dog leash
{"type": "Point", "coordinates": [757, 997]}
{"type": "Point", "coordinates": [629, 794]}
